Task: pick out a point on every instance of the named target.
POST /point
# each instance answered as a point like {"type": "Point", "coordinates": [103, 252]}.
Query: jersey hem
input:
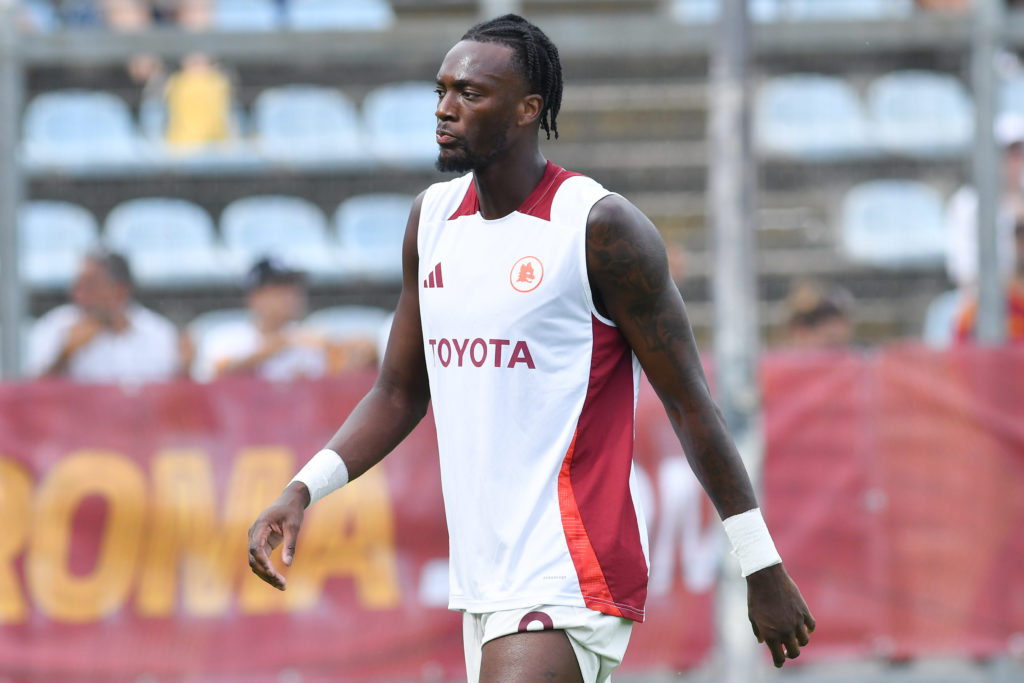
{"type": "Point", "coordinates": [522, 602]}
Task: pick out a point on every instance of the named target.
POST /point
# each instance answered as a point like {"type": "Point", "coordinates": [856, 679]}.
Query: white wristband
{"type": "Point", "coordinates": [325, 472]}
{"type": "Point", "coordinates": [751, 542]}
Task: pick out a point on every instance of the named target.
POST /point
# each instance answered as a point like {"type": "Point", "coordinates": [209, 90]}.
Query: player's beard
{"type": "Point", "coordinates": [463, 158]}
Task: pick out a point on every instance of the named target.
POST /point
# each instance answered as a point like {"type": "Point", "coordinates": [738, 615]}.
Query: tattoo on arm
{"type": "Point", "coordinates": [630, 282]}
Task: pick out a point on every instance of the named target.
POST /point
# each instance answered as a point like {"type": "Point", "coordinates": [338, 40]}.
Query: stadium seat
{"type": "Point", "coordinates": [893, 223]}
{"type": "Point", "coordinates": [39, 16]}
{"type": "Point", "coordinates": [333, 15]}
{"type": "Point", "coordinates": [54, 236]}
{"type": "Point", "coordinates": [246, 15]}
{"type": "Point", "coordinates": [80, 128]}
{"type": "Point", "coordinates": [289, 228]}
{"type": "Point", "coordinates": [940, 319]}
{"type": "Point", "coordinates": [920, 113]}
{"type": "Point", "coordinates": [168, 242]}
{"type": "Point", "coordinates": [345, 322]}
{"type": "Point", "coordinates": [305, 123]}
{"type": "Point", "coordinates": [369, 229]}
{"type": "Point", "coordinates": [847, 10]}
{"type": "Point", "coordinates": [1011, 96]}
{"type": "Point", "coordinates": [707, 11]}
{"type": "Point", "coordinates": [206, 327]}
{"type": "Point", "coordinates": [399, 118]}
{"type": "Point", "coordinates": [810, 116]}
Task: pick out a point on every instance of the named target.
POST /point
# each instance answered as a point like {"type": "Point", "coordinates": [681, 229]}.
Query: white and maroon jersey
{"type": "Point", "coordinates": [534, 394]}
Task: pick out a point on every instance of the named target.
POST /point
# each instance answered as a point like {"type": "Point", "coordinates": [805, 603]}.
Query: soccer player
{"type": "Point", "coordinates": [531, 298]}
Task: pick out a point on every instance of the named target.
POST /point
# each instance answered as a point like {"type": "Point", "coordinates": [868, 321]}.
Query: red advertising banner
{"type": "Point", "coordinates": [124, 545]}
{"type": "Point", "coordinates": [894, 484]}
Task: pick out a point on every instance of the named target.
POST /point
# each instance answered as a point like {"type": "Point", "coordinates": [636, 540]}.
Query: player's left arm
{"type": "Point", "coordinates": [629, 277]}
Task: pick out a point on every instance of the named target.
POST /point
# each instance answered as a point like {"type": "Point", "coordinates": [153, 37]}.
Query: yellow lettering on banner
{"type": "Point", "coordinates": [348, 534]}
{"type": "Point", "coordinates": [15, 503]}
{"type": "Point", "coordinates": [184, 522]}
{"type": "Point", "coordinates": [57, 592]}
{"type": "Point", "coordinates": [211, 575]}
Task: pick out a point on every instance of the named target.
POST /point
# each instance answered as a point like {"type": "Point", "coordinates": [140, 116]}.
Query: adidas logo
{"type": "Point", "coordinates": [434, 279]}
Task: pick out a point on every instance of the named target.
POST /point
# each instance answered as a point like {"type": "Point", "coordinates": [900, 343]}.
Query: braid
{"type": "Point", "coordinates": [535, 56]}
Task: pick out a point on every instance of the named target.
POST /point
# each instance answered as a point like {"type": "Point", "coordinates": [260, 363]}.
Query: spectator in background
{"type": "Point", "coordinates": [198, 103]}
{"type": "Point", "coordinates": [962, 215]}
{"type": "Point", "coordinates": [139, 15]}
{"type": "Point", "coordinates": [818, 317]}
{"type": "Point", "coordinates": [103, 335]}
{"type": "Point", "coordinates": [945, 5]}
{"type": "Point", "coordinates": [968, 320]}
{"type": "Point", "coordinates": [272, 343]}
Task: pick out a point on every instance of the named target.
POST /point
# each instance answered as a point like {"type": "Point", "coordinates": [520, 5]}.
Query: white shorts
{"type": "Point", "coordinates": [599, 640]}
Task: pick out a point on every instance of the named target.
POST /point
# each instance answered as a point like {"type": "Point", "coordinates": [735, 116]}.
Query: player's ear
{"type": "Point", "coordinates": [529, 109]}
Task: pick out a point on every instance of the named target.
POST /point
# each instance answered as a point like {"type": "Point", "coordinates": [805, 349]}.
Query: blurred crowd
{"type": "Point", "coordinates": [120, 15]}
{"type": "Point", "coordinates": [104, 335]}
{"type": "Point", "coordinates": [199, 15]}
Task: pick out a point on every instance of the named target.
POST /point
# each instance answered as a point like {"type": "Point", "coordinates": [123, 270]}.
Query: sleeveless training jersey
{"type": "Point", "coordinates": [533, 395]}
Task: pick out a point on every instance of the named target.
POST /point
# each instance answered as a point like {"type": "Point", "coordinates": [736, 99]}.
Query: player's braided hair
{"type": "Point", "coordinates": [535, 55]}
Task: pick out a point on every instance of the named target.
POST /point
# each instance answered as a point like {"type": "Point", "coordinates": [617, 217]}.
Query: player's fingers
{"type": "Point", "coordinates": [792, 648]}
{"type": "Point", "coordinates": [259, 557]}
{"type": "Point", "coordinates": [778, 654]}
{"type": "Point", "coordinates": [809, 621]}
{"type": "Point", "coordinates": [757, 634]}
{"type": "Point", "coordinates": [802, 636]}
{"type": "Point", "coordinates": [291, 534]}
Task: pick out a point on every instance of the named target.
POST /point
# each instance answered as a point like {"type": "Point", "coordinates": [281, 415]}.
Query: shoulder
{"type": "Point", "coordinates": [447, 188]}
{"type": "Point", "coordinates": [151, 321]}
{"type": "Point", "coordinates": [626, 260]}
{"type": "Point", "coordinates": [57, 319]}
{"type": "Point", "coordinates": [616, 226]}
{"type": "Point", "coordinates": [228, 340]}
{"type": "Point", "coordinates": [441, 200]}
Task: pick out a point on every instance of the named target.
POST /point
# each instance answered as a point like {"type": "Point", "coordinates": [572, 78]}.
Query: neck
{"type": "Point", "coordinates": [503, 185]}
{"type": "Point", "coordinates": [119, 320]}
{"type": "Point", "coordinates": [270, 326]}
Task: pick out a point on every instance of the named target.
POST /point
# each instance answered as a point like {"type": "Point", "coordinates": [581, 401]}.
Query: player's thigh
{"type": "Point", "coordinates": [528, 657]}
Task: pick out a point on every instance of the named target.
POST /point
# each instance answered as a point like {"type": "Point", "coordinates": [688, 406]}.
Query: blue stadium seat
{"type": "Point", "coordinates": [920, 113]}
{"type": "Point", "coordinates": [290, 228]}
{"type": "Point", "coordinates": [347, 322]}
{"type": "Point", "coordinates": [246, 15]}
{"type": "Point", "coordinates": [400, 120]}
{"type": "Point", "coordinates": [369, 229]}
{"type": "Point", "coordinates": [80, 127]}
{"type": "Point", "coordinates": [39, 16]}
{"type": "Point", "coordinates": [168, 242]}
{"type": "Point", "coordinates": [53, 237]}
{"type": "Point", "coordinates": [334, 15]}
{"type": "Point", "coordinates": [306, 123]}
{"type": "Point", "coordinates": [893, 223]}
{"type": "Point", "coordinates": [847, 10]}
{"type": "Point", "coordinates": [810, 116]}
{"type": "Point", "coordinates": [707, 11]}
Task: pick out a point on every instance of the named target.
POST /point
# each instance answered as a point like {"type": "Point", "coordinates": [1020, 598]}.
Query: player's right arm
{"type": "Point", "coordinates": [385, 416]}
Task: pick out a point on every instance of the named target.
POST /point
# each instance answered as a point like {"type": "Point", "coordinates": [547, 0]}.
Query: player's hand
{"type": "Point", "coordinates": [778, 613]}
{"type": "Point", "coordinates": [81, 333]}
{"type": "Point", "coordinates": [279, 522]}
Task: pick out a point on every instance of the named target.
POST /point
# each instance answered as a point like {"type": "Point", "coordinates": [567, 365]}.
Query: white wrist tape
{"type": "Point", "coordinates": [751, 542]}
{"type": "Point", "coordinates": [325, 472]}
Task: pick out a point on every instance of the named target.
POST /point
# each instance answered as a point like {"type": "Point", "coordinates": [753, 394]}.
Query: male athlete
{"type": "Point", "coordinates": [531, 298]}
